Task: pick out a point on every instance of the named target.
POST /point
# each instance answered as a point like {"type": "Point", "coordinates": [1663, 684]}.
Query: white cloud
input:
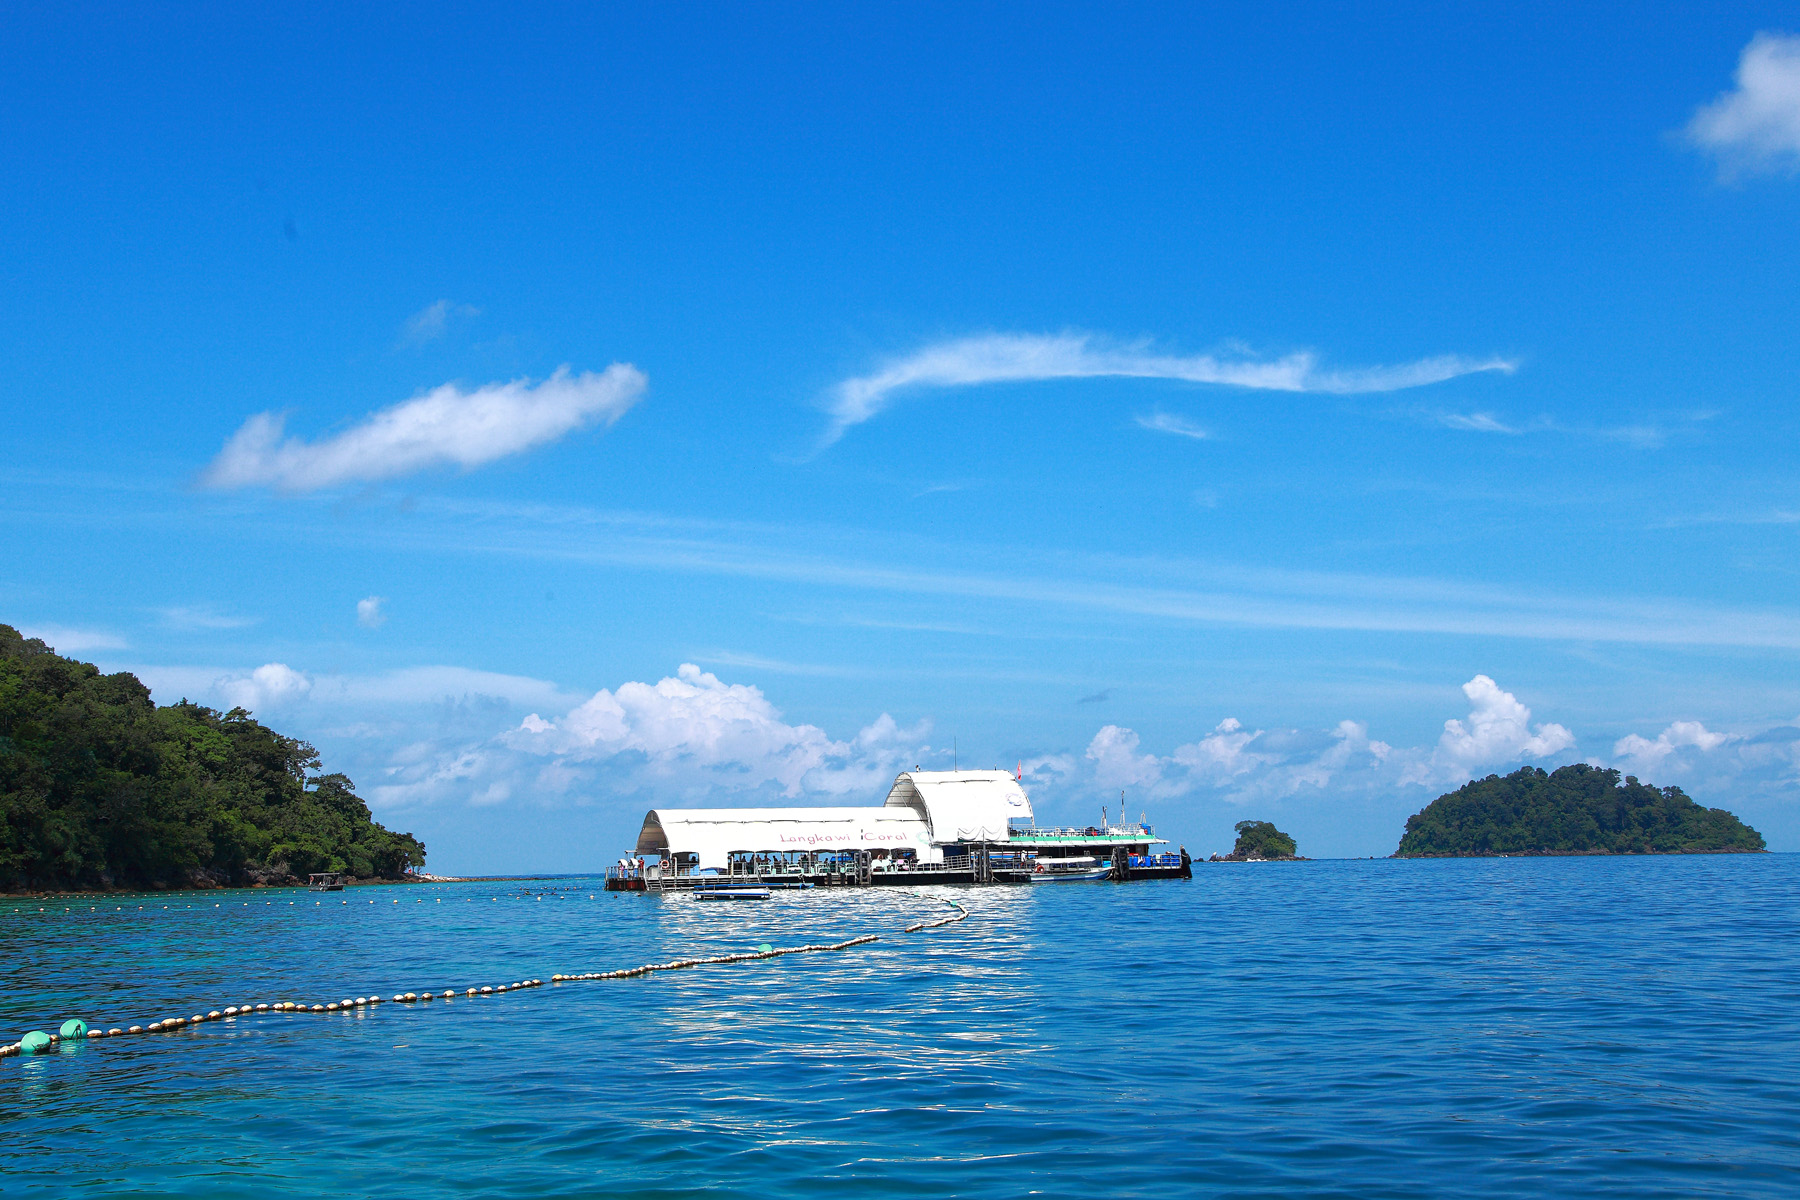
{"type": "Point", "coordinates": [690, 737]}
{"type": "Point", "coordinates": [1643, 754]}
{"type": "Point", "coordinates": [431, 321]}
{"type": "Point", "coordinates": [1163, 422]}
{"type": "Point", "coordinates": [445, 426]}
{"type": "Point", "coordinates": [699, 733]}
{"type": "Point", "coordinates": [272, 685]}
{"type": "Point", "coordinates": [1717, 768]}
{"type": "Point", "coordinates": [1240, 765]}
{"type": "Point", "coordinates": [1477, 423]}
{"type": "Point", "coordinates": [188, 617]}
{"type": "Point", "coordinates": [368, 612]}
{"type": "Point", "coordinates": [1117, 763]}
{"type": "Point", "coordinates": [1498, 730]}
{"type": "Point", "coordinates": [1003, 358]}
{"type": "Point", "coordinates": [436, 686]}
{"type": "Point", "coordinates": [1756, 126]}
{"type": "Point", "coordinates": [64, 640]}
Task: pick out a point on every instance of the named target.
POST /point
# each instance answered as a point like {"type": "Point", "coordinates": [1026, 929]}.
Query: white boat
{"type": "Point", "coordinates": [731, 893]}
{"type": "Point", "coordinates": [1065, 870]}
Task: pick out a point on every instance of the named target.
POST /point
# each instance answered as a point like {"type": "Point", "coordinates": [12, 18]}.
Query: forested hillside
{"type": "Point", "coordinates": [1578, 809]}
{"type": "Point", "coordinates": [99, 787]}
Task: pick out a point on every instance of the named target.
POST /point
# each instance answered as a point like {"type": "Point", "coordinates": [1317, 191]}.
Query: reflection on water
{"type": "Point", "coordinates": [1500, 1027]}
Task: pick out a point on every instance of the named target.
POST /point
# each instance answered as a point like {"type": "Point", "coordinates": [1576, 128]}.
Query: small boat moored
{"type": "Point", "coordinates": [731, 893]}
{"type": "Point", "coordinates": [1061, 870]}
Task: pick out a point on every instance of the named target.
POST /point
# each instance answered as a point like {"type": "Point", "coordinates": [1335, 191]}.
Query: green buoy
{"type": "Point", "coordinates": [34, 1041]}
{"type": "Point", "coordinates": [74, 1027]}
{"type": "Point", "coordinates": [765, 947]}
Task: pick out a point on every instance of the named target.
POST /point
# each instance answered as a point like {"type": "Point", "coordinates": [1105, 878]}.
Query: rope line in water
{"type": "Point", "coordinates": [76, 1029]}
{"type": "Point", "coordinates": [961, 912]}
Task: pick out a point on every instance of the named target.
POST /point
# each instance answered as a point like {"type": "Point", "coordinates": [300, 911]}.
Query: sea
{"type": "Point", "coordinates": [1474, 1027]}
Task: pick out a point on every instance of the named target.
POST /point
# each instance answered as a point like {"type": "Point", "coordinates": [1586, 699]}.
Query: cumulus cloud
{"type": "Point", "coordinates": [1241, 765]}
{"type": "Point", "coordinates": [700, 732]}
{"type": "Point", "coordinates": [445, 426]}
{"type": "Point", "coordinates": [1716, 767]}
{"type": "Point", "coordinates": [1163, 422]}
{"type": "Point", "coordinates": [1755, 127]}
{"type": "Point", "coordinates": [271, 685]}
{"type": "Point", "coordinates": [430, 322]}
{"type": "Point", "coordinates": [369, 613]}
{"type": "Point", "coordinates": [1497, 730]}
{"type": "Point", "coordinates": [1643, 754]}
{"type": "Point", "coordinates": [1004, 358]}
{"type": "Point", "coordinates": [689, 738]}
{"type": "Point", "coordinates": [1236, 764]}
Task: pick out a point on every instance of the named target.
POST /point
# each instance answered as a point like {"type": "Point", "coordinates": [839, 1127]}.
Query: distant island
{"type": "Point", "coordinates": [1578, 809]}
{"type": "Point", "coordinates": [100, 788]}
{"type": "Point", "coordinates": [1260, 841]}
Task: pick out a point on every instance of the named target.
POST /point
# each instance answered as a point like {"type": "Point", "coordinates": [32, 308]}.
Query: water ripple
{"type": "Point", "coordinates": [1520, 1027]}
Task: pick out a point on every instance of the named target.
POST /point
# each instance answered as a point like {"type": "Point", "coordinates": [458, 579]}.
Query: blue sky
{"type": "Point", "coordinates": [554, 414]}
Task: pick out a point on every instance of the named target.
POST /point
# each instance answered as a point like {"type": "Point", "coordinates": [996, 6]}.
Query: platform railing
{"type": "Point", "coordinates": [1138, 832]}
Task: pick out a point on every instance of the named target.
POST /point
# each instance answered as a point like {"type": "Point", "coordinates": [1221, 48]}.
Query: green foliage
{"type": "Point", "coordinates": [99, 787]}
{"type": "Point", "coordinates": [1260, 839]}
{"type": "Point", "coordinates": [1576, 809]}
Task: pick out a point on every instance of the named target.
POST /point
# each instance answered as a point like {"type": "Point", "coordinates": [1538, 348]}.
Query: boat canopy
{"type": "Point", "coordinates": [712, 835]}
{"type": "Point", "coordinates": [962, 806]}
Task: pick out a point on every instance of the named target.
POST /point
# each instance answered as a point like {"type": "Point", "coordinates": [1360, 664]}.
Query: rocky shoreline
{"type": "Point", "coordinates": [1235, 857]}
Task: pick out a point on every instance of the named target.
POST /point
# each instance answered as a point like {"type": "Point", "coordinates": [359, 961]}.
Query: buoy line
{"type": "Point", "coordinates": [76, 1029]}
{"type": "Point", "coordinates": [961, 912]}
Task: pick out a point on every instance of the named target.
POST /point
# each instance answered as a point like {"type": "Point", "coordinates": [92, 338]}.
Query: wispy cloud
{"type": "Point", "coordinates": [1778, 516]}
{"type": "Point", "coordinates": [1755, 127]}
{"type": "Point", "coordinates": [1640, 437]}
{"type": "Point", "coordinates": [65, 640]}
{"type": "Point", "coordinates": [1099, 697]}
{"type": "Point", "coordinates": [279, 684]}
{"type": "Point", "coordinates": [202, 616]}
{"type": "Point", "coordinates": [732, 658]}
{"type": "Point", "coordinates": [445, 426]}
{"type": "Point", "coordinates": [430, 322]}
{"type": "Point", "coordinates": [1004, 358]}
{"type": "Point", "coordinates": [1478, 423]}
{"type": "Point", "coordinates": [1182, 590]}
{"type": "Point", "coordinates": [1163, 422]}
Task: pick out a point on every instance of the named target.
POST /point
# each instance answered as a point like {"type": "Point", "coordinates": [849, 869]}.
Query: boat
{"type": "Point", "coordinates": [326, 881]}
{"type": "Point", "coordinates": [739, 892]}
{"type": "Point", "coordinates": [1062, 870]}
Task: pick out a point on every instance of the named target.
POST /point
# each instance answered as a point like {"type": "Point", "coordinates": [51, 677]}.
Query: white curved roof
{"type": "Point", "coordinates": [962, 806]}
{"type": "Point", "coordinates": [715, 833]}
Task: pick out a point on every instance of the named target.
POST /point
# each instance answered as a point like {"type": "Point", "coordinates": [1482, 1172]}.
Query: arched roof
{"type": "Point", "coordinates": [962, 806]}
{"type": "Point", "coordinates": [713, 834]}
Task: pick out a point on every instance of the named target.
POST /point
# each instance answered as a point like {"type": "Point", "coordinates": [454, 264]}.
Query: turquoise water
{"type": "Point", "coordinates": [1510, 1027]}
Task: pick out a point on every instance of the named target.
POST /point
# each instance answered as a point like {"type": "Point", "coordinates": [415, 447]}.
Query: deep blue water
{"type": "Point", "coordinates": [1514, 1027]}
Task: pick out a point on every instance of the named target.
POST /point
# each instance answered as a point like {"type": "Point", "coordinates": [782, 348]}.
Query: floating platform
{"type": "Point", "coordinates": [992, 872]}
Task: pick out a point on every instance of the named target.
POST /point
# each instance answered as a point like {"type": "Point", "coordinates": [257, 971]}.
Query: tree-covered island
{"type": "Point", "coordinates": [1578, 809]}
{"type": "Point", "coordinates": [1260, 841]}
{"type": "Point", "coordinates": [100, 788]}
